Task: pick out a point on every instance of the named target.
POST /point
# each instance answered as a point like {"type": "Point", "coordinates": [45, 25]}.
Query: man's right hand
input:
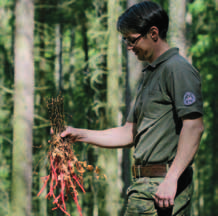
{"type": "Point", "coordinates": [68, 132]}
{"type": "Point", "coordinates": [71, 132]}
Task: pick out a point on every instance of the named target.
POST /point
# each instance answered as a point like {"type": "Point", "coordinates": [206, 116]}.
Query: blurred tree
{"type": "Point", "coordinates": [177, 25]}
{"type": "Point", "coordinates": [40, 109]}
{"type": "Point", "coordinates": [23, 109]}
{"type": "Point", "coordinates": [133, 68]}
{"type": "Point", "coordinates": [111, 159]}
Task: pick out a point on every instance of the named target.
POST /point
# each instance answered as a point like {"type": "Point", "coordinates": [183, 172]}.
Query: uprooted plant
{"type": "Point", "coordinates": [65, 171]}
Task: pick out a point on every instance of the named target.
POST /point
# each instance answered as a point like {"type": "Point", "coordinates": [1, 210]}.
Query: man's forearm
{"type": "Point", "coordinates": [187, 147]}
{"type": "Point", "coordinates": [118, 137]}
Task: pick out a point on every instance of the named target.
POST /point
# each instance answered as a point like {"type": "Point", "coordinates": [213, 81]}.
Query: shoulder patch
{"type": "Point", "coordinates": [189, 98]}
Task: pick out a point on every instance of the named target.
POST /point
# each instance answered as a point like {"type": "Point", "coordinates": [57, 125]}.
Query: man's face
{"type": "Point", "coordinates": [141, 46]}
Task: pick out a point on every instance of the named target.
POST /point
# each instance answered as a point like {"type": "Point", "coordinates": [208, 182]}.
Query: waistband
{"type": "Point", "coordinates": [158, 170]}
{"type": "Point", "coordinates": [154, 170]}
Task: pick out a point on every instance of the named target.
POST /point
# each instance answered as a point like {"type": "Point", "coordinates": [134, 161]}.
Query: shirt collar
{"type": "Point", "coordinates": [165, 56]}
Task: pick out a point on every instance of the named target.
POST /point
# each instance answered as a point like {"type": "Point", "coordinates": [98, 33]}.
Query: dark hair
{"type": "Point", "coordinates": [141, 17]}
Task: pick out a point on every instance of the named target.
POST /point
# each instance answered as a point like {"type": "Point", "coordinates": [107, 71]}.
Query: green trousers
{"type": "Point", "coordinates": [141, 197]}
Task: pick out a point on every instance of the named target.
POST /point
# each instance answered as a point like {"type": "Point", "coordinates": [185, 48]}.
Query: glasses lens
{"type": "Point", "coordinates": [125, 41]}
{"type": "Point", "coordinates": [132, 42]}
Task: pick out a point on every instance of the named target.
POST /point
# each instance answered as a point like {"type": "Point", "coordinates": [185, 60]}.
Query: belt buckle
{"type": "Point", "coordinates": [134, 171]}
{"type": "Point", "coordinates": [139, 171]}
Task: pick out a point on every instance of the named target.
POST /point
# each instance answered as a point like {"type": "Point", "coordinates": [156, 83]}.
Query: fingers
{"type": "Point", "coordinates": [63, 134]}
{"type": "Point", "coordinates": [171, 202]}
{"type": "Point", "coordinates": [164, 202]}
{"type": "Point", "coordinates": [68, 131]}
{"type": "Point", "coordinates": [164, 197]}
{"type": "Point", "coordinates": [167, 203]}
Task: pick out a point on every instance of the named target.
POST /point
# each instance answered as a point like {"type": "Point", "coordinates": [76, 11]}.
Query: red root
{"type": "Point", "coordinates": [62, 176]}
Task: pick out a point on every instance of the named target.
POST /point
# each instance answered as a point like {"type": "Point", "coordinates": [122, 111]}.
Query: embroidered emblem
{"type": "Point", "coordinates": [189, 98]}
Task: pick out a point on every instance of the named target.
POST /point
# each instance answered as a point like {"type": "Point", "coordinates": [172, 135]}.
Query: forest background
{"type": "Point", "coordinates": [72, 47]}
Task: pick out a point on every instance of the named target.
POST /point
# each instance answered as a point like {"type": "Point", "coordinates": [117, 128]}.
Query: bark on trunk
{"type": "Point", "coordinates": [111, 160]}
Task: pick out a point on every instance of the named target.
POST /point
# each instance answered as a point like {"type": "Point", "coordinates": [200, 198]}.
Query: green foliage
{"type": "Point", "coordinates": [65, 11]}
{"type": "Point", "coordinates": [4, 178]}
{"type": "Point", "coordinates": [203, 50]}
{"type": "Point", "coordinates": [6, 103]}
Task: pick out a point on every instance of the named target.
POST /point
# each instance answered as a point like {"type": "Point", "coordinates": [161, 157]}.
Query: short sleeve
{"type": "Point", "coordinates": [131, 115]}
{"type": "Point", "coordinates": [184, 86]}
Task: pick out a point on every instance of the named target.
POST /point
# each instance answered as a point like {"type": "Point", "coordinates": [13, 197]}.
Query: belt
{"type": "Point", "coordinates": [154, 170]}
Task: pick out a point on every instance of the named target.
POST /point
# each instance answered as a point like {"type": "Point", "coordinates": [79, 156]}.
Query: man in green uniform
{"type": "Point", "coordinates": [164, 125]}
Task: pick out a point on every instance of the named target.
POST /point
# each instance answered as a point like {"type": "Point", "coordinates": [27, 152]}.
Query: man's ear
{"type": "Point", "coordinates": [154, 33]}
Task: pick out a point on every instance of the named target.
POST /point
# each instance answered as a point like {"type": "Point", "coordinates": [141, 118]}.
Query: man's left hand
{"type": "Point", "coordinates": [165, 195]}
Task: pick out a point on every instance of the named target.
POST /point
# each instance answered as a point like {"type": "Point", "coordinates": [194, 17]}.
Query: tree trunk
{"type": "Point", "coordinates": [58, 63]}
{"type": "Point", "coordinates": [23, 109]}
{"type": "Point", "coordinates": [43, 172]}
{"type": "Point", "coordinates": [59, 73]}
{"type": "Point", "coordinates": [133, 72]}
{"type": "Point", "coordinates": [42, 111]}
{"type": "Point", "coordinates": [112, 158]}
{"type": "Point", "coordinates": [114, 66]}
{"type": "Point", "coordinates": [177, 27]}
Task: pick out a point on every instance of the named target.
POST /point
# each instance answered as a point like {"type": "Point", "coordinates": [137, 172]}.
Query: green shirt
{"type": "Point", "coordinates": [170, 88]}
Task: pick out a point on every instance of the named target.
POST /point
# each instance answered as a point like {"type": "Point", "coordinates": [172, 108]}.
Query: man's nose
{"type": "Point", "coordinates": [129, 47]}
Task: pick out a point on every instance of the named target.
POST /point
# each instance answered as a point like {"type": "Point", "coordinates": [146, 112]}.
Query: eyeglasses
{"type": "Point", "coordinates": [131, 42]}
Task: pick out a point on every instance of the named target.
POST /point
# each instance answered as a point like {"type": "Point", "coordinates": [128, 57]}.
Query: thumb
{"type": "Point", "coordinates": [64, 133]}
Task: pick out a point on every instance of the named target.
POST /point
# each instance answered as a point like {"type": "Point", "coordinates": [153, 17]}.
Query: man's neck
{"type": "Point", "coordinates": [160, 48]}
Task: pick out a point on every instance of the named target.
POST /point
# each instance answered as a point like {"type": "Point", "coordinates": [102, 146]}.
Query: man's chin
{"type": "Point", "coordinates": [140, 58]}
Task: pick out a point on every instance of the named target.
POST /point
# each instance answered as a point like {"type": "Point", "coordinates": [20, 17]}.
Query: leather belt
{"type": "Point", "coordinates": [154, 170]}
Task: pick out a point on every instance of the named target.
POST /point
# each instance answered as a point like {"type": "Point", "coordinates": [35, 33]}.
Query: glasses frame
{"type": "Point", "coordinates": [133, 42]}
